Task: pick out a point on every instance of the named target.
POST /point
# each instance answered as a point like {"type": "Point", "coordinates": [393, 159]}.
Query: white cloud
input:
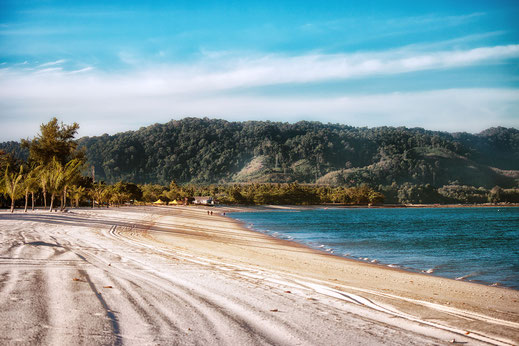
{"type": "Point", "coordinates": [52, 63]}
{"type": "Point", "coordinates": [270, 70]}
{"type": "Point", "coordinates": [225, 72]}
{"type": "Point", "coordinates": [114, 102]}
{"type": "Point", "coordinates": [82, 70]}
{"type": "Point", "coordinates": [49, 70]}
{"type": "Point", "coordinates": [469, 110]}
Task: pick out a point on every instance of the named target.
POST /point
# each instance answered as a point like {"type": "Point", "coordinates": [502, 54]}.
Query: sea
{"type": "Point", "coordinates": [479, 244]}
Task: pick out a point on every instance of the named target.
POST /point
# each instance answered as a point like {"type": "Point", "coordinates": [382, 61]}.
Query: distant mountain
{"type": "Point", "coordinates": [15, 149]}
{"type": "Point", "coordinates": [194, 150]}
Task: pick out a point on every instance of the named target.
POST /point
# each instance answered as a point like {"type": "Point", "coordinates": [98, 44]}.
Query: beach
{"type": "Point", "coordinates": [178, 275]}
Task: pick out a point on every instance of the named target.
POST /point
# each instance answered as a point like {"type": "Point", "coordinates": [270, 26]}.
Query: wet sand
{"type": "Point", "coordinates": [175, 275]}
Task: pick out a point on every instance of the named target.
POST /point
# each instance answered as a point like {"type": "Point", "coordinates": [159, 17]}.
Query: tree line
{"type": "Point", "coordinates": [279, 161]}
{"type": "Point", "coordinates": [55, 173]}
{"type": "Point", "coordinates": [261, 193]}
{"type": "Point", "coordinates": [53, 167]}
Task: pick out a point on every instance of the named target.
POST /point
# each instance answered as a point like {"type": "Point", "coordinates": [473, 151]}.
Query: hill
{"type": "Point", "coordinates": [215, 151]}
{"type": "Point", "coordinates": [194, 150]}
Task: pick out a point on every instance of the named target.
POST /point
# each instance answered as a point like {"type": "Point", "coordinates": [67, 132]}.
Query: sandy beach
{"type": "Point", "coordinates": [176, 275]}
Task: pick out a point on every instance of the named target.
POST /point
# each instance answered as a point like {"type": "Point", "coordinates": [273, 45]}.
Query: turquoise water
{"type": "Point", "coordinates": [474, 244]}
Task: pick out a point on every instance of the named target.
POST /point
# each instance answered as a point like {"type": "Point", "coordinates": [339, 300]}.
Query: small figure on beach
{"type": "Point", "coordinates": [208, 212]}
{"type": "Point", "coordinates": [211, 212]}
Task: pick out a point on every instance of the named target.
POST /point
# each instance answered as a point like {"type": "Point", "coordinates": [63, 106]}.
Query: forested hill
{"type": "Point", "coordinates": [217, 151]}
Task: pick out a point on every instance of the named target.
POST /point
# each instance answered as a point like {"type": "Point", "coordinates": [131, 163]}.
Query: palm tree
{"type": "Point", "coordinates": [30, 185]}
{"type": "Point", "coordinates": [43, 173]}
{"type": "Point", "coordinates": [98, 192]}
{"type": "Point", "coordinates": [12, 185]}
{"type": "Point", "coordinates": [71, 174]}
{"type": "Point", "coordinates": [118, 195]}
{"type": "Point", "coordinates": [55, 171]}
{"type": "Point", "coordinates": [76, 193]}
{"type": "Point", "coordinates": [60, 177]}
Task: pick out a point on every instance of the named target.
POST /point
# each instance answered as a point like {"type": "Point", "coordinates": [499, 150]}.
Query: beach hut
{"type": "Point", "coordinates": [174, 202]}
{"type": "Point", "coordinates": [159, 202]}
{"type": "Point", "coordinates": [204, 200]}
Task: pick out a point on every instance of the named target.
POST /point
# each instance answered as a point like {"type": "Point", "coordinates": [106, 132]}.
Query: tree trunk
{"type": "Point", "coordinates": [64, 199]}
{"type": "Point", "coordinates": [51, 201]}
{"type": "Point", "coordinates": [12, 204]}
{"type": "Point", "coordinates": [26, 200]}
{"type": "Point", "coordinates": [77, 202]}
{"type": "Point", "coordinates": [45, 198]}
{"type": "Point", "coordinates": [32, 200]}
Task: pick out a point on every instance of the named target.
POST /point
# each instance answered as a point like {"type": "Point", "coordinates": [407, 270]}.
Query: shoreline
{"type": "Point", "coordinates": [379, 264]}
{"type": "Point", "coordinates": [267, 207]}
{"type": "Point", "coordinates": [224, 240]}
{"type": "Point", "coordinates": [285, 207]}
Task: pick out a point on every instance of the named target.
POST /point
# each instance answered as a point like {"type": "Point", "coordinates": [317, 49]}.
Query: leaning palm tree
{"type": "Point", "coordinates": [12, 185]}
{"type": "Point", "coordinates": [60, 177]}
{"type": "Point", "coordinates": [71, 173]}
{"type": "Point", "coordinates": [30, 185]}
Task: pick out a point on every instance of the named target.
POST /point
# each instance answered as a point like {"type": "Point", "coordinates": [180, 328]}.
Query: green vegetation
{"type": "Point", "coordinates": [53, 164]}
{"type": "Point", "coordinates": [259, 162]}
{"type": "Point", "coordinates": [12, 186]}
{"type": "Point", "coordinates": [55, 142]}
{"type": "Point", "coordinates": [204, 151]}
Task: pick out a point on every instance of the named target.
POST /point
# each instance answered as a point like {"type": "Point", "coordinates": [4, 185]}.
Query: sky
{"type": "Point", "coordinates": [114, 66]}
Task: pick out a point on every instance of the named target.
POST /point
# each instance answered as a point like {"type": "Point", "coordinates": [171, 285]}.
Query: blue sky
{"type": "Point", "coordinates": [119, 65]}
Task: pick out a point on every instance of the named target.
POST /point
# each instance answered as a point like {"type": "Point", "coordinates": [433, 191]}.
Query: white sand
{"type": "Point", "coordinates": [159, 275]}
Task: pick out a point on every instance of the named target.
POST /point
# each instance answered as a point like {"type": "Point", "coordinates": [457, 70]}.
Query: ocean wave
{"type": "Point", "coordinates": [430, 270]}
{"type": "Point", "coordinates": [464, 277]}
